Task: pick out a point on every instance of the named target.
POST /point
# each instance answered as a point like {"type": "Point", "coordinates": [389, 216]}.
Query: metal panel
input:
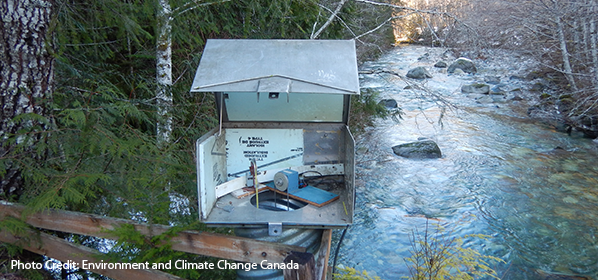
{"type": "Point", "coordinates": [232, 211]}
{"type": "Point", "coordinates": [349, 152]}
{"type": "Point", "coordinates": [272, 148]}
{"type": "Point", "coordinates": [291, 107]}
{"type": "Point", "coordinates": [211, 170]}
{"type": "Point", "coordinates": [322, 146]}
{"type": "Point", "coordinates": [309, 66]}
{"type": "Point", "coordinates": [308, 238]}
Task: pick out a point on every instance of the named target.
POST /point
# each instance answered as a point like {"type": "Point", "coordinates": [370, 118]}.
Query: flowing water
{"type": "Point", "coordinates": [500, 174]}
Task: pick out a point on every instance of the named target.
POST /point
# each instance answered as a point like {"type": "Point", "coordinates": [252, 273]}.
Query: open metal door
{"type": "Point", "coordinates": [211, 169]}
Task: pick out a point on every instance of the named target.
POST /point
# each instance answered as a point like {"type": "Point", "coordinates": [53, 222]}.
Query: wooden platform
{"type": "Point", "coordinates": [309, 194]}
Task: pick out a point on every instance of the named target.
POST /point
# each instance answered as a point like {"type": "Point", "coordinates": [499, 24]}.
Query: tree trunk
{"type": "Point", "coordinates": [26, 83]}
{"type": "Point", "coordinates": [565, 53]}
{"type": "Point", "coordinates": [164, 72]}
{"type": "Point", "coordinates": [586, 38]}
{"type": "Point", "coordinates": [330, 19]}
{"type": "Point", "coordinates": [594, 47]}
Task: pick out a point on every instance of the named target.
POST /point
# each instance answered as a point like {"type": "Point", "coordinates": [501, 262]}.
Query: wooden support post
{"type": "Point", "coordinates": [323, 254]}
{"type": "Point", "coordinates": [202, 243]}
{"type": "Point", "coordinates": [316, 271]}
{"type": "Point", "coordinates": [307, 267]}
{"type": "Point", "coordinates": [64, 251]}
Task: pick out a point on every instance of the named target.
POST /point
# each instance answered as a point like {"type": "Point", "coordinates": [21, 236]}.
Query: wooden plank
{"type": "Point", "coordinates": [231, 186]}
{"type": "Point", "coordinates": [323, 254]}
{"type": "Point", "coordinates": [268, 175]}
{"type": "Point", "coordinates": [202, 243]}
{"type": "Point", "coordinates": [311, 266]}
{"type": "Point", "coordinates": [306, 270]}
{"type": "Point", "coordinates": [240, 193]}
{"type": "Point", "coordinates": [314, 195]}
{"type": "Point", "coordinates": [64, 251]}
{"type": "Point", "coordinates": [298, 195]}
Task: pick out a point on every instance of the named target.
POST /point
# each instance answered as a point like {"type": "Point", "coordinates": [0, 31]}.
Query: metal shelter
{"type": "Point", "coordinates": [283, 104]}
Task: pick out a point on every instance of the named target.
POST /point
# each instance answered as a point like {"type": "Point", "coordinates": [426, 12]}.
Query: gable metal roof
{"type": "Point", "coordinates": [300, 66]}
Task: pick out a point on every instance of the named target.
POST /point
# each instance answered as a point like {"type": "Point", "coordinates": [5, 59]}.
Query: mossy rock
{"type": "Point", "coordinates": [418, 150]}
{"type": "Point", "coordinates": [419, 73]}
{"type": "Point", "coordinates": [545, 96]}
{"type": "Point", "coordinates": [441, 64]}
{"type": "Point", "coordinates": [389, 103]}
{"type": "Point", "coordinates": [464, 64]}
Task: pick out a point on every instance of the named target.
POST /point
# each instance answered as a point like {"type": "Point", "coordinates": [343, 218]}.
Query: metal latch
{"type": "Point", "coordinates": [275, 229]}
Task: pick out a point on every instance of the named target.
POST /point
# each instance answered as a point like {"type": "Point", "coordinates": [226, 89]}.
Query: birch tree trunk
{"type": "Point", "coordinates": [330, 20]}
{"type": "Point", "coordinates": [26, 83]}
{"type": "Point", "coordinates": [565, 53]}
{"type": "Point", "coordinates": [164, 72]}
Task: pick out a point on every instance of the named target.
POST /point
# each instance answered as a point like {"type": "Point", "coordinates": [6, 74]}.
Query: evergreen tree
{"type": "Point", "coordinates": [96, 125]}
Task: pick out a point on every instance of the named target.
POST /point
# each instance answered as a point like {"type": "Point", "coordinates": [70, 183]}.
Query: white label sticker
{"type": "Point", "coordinates": [271, 148]}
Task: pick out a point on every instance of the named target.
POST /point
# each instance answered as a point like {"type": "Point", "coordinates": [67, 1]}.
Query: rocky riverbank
{"type": "Point", "coordinates": [499, 173]}
{"type": "Point", "coordinates": [513, 79]}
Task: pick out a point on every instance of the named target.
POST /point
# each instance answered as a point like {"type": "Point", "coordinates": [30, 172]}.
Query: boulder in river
{"type": "Point", "coordinates": [497, 90]}
{"type": "Point", "coordinates": [419, 73]}
{"type": "Point", "coordinates": [476, 88]}
{"type": "Point", "coordinates": [389, 103]}
{"type": "Point", "coordinates": [464, 64]}
{"type": "Point", "coordinates": [419, 149]}
{"type": "Point", "coordinates": [441, 64]}
{"type": "Point", "coordinates": [493, 80]}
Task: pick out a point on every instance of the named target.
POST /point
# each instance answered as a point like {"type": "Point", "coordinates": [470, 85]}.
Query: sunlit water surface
{"type": "Point", "coordinates": [499, 175]}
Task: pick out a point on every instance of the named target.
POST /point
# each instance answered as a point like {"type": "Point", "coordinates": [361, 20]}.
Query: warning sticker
{"type": "Point", "coordinates": [271, 148]}
{"type": "Point", "coordinates": [255, 142]}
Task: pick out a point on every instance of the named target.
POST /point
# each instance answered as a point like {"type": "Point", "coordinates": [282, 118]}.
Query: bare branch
{"type": "Point", "coordinates": [411, 11]}
{"type": "Point", "coordinates": [192, 5]}
{"type": "Point", "coordinates": [432, 12]}
{"type": "Point", "coordinates": [382, 24]}
{"type": "Point", "coordinates": [330, 19]}
{"type": "Point", "coordinates": [339, 19]}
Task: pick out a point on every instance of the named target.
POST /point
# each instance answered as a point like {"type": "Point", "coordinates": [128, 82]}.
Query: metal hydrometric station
{"type": "Point", "coordinates": [280, 166]}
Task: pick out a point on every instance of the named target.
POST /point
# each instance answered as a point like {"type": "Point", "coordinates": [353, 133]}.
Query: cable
{"type": "Point", "coordinates": [338, 247]}
{"type": "Point", "coordinates": [308, 171]}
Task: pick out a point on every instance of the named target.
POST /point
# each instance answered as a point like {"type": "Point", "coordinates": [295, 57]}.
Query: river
{"type": "Point", "coordinates": [500, 175]}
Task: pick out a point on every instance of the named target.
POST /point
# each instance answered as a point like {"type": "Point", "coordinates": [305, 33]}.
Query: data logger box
{"type": "Point", "coordinates": [284, 104]}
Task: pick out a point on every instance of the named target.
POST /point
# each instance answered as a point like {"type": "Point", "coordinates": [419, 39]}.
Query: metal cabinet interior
{"type": "Point", "coordinates": [284, 103]}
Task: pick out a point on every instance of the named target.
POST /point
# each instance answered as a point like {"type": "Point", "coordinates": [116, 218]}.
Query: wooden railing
{"type": "Point", "coordinates": [202, 243]}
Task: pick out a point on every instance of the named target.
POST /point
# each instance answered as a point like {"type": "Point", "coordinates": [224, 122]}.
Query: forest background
{"type": "Point", "coordinates": [97, 116]}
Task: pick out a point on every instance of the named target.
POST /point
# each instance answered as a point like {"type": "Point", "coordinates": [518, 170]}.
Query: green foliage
{"type": "Point", "coordinates": [349, 273]}
{"type": "Point", "coordinates": [9, 252]}
{"type": "Point", "coordinates": [437, 255]}
{"type": "Point", "coordinates": [137, 248]}
{"type": "Point", "coordinates": [366, 107]}
{"type": "Point", "coordinates": [97, 150]}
